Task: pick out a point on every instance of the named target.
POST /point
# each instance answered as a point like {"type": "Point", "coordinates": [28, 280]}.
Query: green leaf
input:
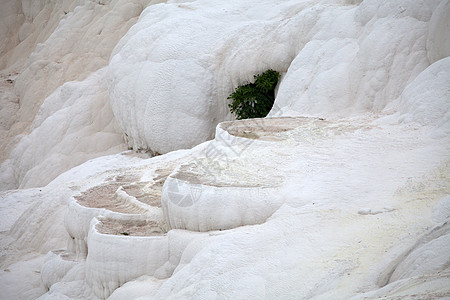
{"type": "Point", "coordinates": [255, 100]}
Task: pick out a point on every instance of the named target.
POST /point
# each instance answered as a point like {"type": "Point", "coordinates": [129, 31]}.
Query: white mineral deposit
{"type": "Point", "coordinates": [124, 175]}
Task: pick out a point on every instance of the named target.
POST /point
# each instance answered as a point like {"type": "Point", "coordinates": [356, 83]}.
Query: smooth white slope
{"type": "Point", "coordinates": [359, 196]}
{"type": "Point", "coordinates": [426, 99]}
{"type": "Point", "coordinates": [54, 42]}
{"type": "Point", "coordinates": [73, 125]}
{"type": "Point", "coordinates": [360, 60]}
{"type": "Point", "coordinates": [438, 42]}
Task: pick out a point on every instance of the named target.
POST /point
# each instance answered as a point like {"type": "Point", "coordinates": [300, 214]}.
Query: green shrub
{"type": "Point", "coordinates": [255, 100]}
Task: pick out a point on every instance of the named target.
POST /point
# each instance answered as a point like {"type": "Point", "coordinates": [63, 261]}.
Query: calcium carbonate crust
{"type": "Point", "coordinates": [330, 202]}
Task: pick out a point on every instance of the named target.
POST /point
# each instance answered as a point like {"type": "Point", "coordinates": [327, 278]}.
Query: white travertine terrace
{"type": "Point", "coordinates": [114, 259]}
{"type": "Point", "coordinates": [341, 193]}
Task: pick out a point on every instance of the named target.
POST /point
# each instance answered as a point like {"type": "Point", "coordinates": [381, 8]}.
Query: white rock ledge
{"type": "Point", "coordinates": [116, 205]}
{"type": "Point", "coordinates": [56, 266]}
{"type": "Point", "coordinates": [237, 136]}
{"type": "Point", "coordinates": [192, 203]}
{"type": "Point", "coordinates": [115, 259]}
{"type": "Point", "coordinates": [261, 129]}
{"type": "Point", "coordinates": [225, 190]}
